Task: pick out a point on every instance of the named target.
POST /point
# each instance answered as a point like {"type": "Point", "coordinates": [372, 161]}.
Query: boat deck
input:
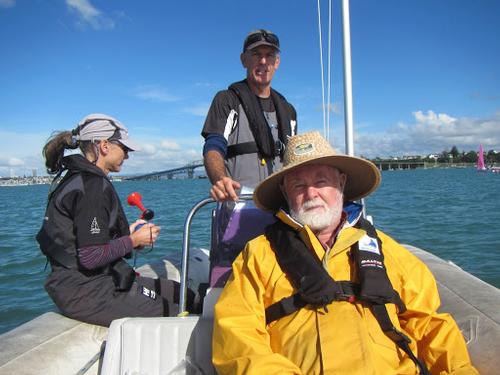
{"type": "Point", "coordinates": [53, 344]}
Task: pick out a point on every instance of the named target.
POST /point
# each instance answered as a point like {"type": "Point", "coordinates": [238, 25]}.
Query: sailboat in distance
{"type": "Point", "coordinates": [480, 160]}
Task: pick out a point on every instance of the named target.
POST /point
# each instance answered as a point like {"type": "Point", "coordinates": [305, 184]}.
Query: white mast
{"type": "Point", "coordinates": [348, 112]}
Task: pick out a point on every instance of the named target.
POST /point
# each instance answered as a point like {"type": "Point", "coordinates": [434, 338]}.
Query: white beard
{"type": "Point", "coordinates": [318, 221]}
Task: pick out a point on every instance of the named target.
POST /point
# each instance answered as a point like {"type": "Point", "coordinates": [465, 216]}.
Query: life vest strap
{"type": "Point", "coordinates": [258, 124]}
{"type": "Point", "coordinates": [284, 307]}
{"type": "Point", "coordinates": [344, 291]}
{"type": "Point", "coordinates": [399, 338]}
{"type": "Point", "coordinates": [242, 149]}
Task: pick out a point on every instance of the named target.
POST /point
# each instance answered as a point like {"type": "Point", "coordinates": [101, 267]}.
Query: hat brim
{"type": "Point", "coordinates": [132, 146]}
{"type": "Point", "coordinates": [363, 177]}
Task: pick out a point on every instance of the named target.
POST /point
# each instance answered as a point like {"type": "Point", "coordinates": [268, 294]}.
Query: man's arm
{"type": "Point", "coordinates": [439, 341]}
{"type": "Point", "coordinates": [220, 122]}
{"type": "Point", "coordinates": [223, 187]}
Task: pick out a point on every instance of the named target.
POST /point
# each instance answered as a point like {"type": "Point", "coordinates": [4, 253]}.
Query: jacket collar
{"type": "Point", "coordinates": [79, 163]}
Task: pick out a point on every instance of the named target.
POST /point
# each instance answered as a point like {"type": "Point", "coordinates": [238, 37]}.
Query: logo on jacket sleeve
{"type": "Point", "coordinates": [94, 227]}
{"type": "Point", "coordinates": [370, 244]}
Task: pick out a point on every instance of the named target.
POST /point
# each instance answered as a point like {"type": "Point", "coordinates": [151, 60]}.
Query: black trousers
{"type": "Point", "coordinates": [98, 302]}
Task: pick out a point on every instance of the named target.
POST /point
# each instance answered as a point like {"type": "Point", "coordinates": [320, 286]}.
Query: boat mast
{"type": "Point", "coordinates": [348, 112]}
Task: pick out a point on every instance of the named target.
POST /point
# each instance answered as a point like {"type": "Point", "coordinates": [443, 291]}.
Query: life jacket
{"type": "Point", "coordinates": [265, 144]}
{"type": "Point", "coordinates": [59, 246]}
{"type": "Point", "coordinates": [316, 288]}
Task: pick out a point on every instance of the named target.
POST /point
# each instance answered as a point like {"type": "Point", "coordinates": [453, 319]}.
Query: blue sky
{"type": "Point", "coordinates": [426, 73]}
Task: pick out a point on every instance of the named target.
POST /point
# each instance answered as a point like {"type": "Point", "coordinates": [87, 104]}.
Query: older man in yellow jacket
{"type": "Point", "coordinates": [321, 292]}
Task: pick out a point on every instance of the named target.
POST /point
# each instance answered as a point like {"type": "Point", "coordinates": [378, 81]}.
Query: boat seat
{"type": "Point", "coordinates": [233, 225]}
{"type": "Point", "coordinates": [52, 344]}
{"type": "Point", "coordinates": [159, 346]}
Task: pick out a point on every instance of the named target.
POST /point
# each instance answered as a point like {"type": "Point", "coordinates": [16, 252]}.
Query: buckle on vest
{"type": "Point", "coordinates": [279, 147]}
{"type": "Point", "coordinates": [346, 294]}
{"type": "Point", "coordinates": [351, 298]}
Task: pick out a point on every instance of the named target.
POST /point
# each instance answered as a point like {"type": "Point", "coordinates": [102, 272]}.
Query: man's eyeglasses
{"type": "Point", "coordinates": [262, 35]}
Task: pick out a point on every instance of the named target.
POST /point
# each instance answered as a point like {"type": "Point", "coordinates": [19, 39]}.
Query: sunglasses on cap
{"type": "Point", "coordinates": [261, 35]}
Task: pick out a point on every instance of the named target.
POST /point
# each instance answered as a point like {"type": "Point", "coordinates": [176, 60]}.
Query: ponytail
{"type": "Point", "coordinates": [53, 151]}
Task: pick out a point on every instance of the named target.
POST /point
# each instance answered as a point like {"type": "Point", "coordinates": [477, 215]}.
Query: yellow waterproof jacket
{"type": "Point", "coordinates": [345, 338]}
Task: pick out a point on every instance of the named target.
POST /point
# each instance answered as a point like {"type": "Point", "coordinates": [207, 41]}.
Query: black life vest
{"type": "Point", "coordinates": [264, 144]}
{"type": "Point", "coordinates": [62, 251]}
{"type": "Point", "coordinates": [316, 288]}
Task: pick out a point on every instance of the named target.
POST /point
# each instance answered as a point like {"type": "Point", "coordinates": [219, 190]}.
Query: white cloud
{"type": "Point", "coordinates": [154, 93]}
{"type": "Point", "coordinates": [90, 15]}
{"type": "Point", "coordinates": [21, 152]}
{"type": "Point", "coordinates": [170, 145]}
{"type": "Point", "coordinates": [431, 133]}
{"type": "Point", "coordinates": [431, 118]}
{"type": "Point", "coordinates": [8, 162]}
{"type": "Point", "coordinates": [205, 84]}
{"type": "Point", "coordinates": [164, 154]}
{"type": "Point", "coordinates": [199, 110]}
{"type": "Point", "coordinates": [162, 159]}
{"type": "Point", "coordinates": [147, 148]}
{"type": "Point", "coordinates": [7, 3]}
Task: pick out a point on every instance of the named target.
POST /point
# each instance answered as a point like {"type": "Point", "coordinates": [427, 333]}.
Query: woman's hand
{"type": "Point", "coordinates": [145, 235]}
{"type": "Point", "coordinates": [134, 225]}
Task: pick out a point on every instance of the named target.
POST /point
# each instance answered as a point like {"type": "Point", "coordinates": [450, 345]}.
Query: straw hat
{"type": "Point", "coordinates": [363, 177]}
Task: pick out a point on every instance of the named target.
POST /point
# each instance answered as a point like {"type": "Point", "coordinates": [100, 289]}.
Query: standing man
{"type": "Point", "coordinates": [323, 291]}
{"type": "Point", "coordinates": [248, 124]}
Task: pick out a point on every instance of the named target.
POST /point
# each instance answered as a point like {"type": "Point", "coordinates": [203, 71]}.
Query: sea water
{"type": "Point", "coordinates": [453, 213]}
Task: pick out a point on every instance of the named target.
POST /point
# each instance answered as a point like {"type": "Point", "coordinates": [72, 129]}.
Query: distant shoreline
{"type": "Point", "coordinates": [47, 180]}
{"type": "Point", "coordinates": [395, 165]}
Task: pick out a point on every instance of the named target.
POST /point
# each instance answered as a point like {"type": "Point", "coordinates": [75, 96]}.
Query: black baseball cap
{"type": "Point", "coordinates": [261, 37]}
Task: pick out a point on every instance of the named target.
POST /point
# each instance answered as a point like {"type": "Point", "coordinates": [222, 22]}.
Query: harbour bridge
{"type": "Point", "coordinates": [188, 169]}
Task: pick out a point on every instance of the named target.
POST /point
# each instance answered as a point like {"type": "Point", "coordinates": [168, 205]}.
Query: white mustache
{"type": "Point", "coordinates": [313, 203]}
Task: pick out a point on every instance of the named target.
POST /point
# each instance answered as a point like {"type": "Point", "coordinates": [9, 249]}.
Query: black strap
{"type": "Point", "coordinates": [257, 122]}
{"type": "Point", "coordinates": [345, 291]}
{"type": "Point", "coordinates": [399, 338]}
{"type": "Point", "coordinates": [314, 285]}
{"type": "Point", "coordinates": [376, 287]}
{"type": "Point", "coordinates": [241, 149]}
{"type": "Point", "coordinates": [284, 307]}
{"type": "Point", "coordinates": [123, 275]}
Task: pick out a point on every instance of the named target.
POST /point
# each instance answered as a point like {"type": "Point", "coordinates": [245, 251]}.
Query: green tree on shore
{"type": "Point", "coordinates": [454, 156]}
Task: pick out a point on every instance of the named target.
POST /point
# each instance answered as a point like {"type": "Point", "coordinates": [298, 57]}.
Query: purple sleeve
{"type": "Point", "coordinates": [91, 257]}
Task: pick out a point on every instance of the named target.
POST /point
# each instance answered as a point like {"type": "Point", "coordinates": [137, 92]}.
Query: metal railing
{"type": "Point", "coordinates": [185, 248]}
